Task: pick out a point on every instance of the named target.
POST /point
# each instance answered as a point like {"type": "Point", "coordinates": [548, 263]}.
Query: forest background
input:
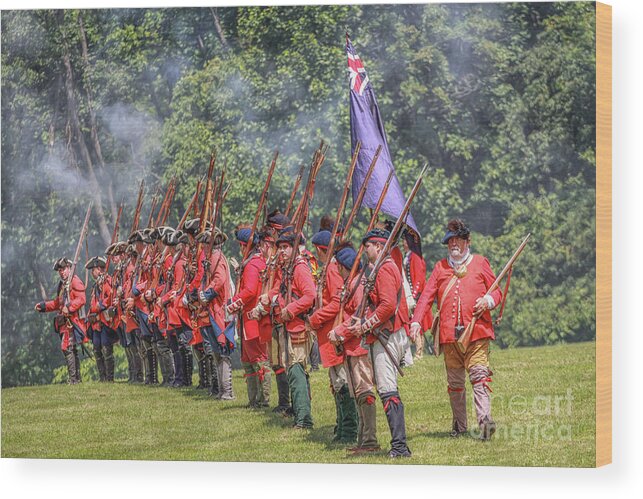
{"type": "Point", "coordinates": [498, 98]}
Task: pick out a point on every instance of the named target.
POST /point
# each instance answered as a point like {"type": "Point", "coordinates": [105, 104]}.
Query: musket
{"type": "Point", "coordinates": [115, 233]}
{"type": "Point", "coordinates": [164, 210]}
{"type": "Point", "coordinates": [300, 219]}
{"type": "Point", "coordinates": [262, 201]}
{"type": "Point", "coordinates": [155, 200]}
{"type": "Point", "coordinates": [139, 205]}
{"type": "Point", "coordinates": [340, 211]}
{"type": "Point", "coordinates": [360, 196]}
{"type": "Point", "coordinates": [67, 285]}
{"type": "Point", "coordinates": [295, 189]}
{"type": "Point", "coordinates": [360, 250]}
{"type": "Point", "coordinates": [397, 228]}
{"type": "Point", "coordinates": [464, 340]}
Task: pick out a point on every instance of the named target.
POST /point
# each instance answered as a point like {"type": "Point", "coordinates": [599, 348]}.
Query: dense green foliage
{"type": "Point", "coordinates": [498, 98]}
{"type": "Point", "coordinates": [543, 402]}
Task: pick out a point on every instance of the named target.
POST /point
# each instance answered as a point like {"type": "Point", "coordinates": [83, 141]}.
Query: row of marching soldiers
{"type": "Point", "coordinates": [171, 298]}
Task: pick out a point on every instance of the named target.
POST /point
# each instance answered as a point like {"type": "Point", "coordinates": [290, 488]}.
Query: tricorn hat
{"type": "Point", "coordinates": [97, 261]}
{"type": "Point", "coordinates": [118, 248]}
{"type": "Point", "coordinates": [456, 228]}
{"type": "Point", "coordinates": [136, 237]}
{"type": "Point", "coordinates": [61, 263]}
{"type": "Point", "coordinates": [193, 225]}
{"type": "Point", "coordinates": [179, 237]}
{"type": "Point", "coordinates": [164, 233]}
{"type": "Point", "coordinates": [205, 237]}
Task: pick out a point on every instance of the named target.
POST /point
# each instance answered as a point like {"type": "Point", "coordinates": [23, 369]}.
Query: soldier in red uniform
{"type": "Point", "coordinates": [293, 314]}
{"type": "Point", "coordinates": [414, 274]}
{"type": "Point", "coordinates": [101, 334]}
{"type": "Point", "coordinates": [384, 324]}
{"type": "Point", "coordinates": [213, 294]}
{"type": "Point", "coordinates": [358, 364]}
{"type": "Point", "coordinates": [179, 329]}
{"type": "Point", "coordinates": [322, 321]}
{"type": "Point", "coordinates": [460, 283]}
{"type": "Point", "coordinates": [254, 352]}
{"type": "Point", "coordinates": [116, 252]}
{"type": "Point", "coordinates": [69, 303]}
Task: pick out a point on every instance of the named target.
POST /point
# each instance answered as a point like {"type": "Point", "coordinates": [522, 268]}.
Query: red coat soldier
{"type": "Point", "coordinates": [322, 321]}
{"type": "Point", "coordinates": [69, 303]}
{"type": "Point", "coordinates": [460, 283]}
{"type": "Point", "coordinates": [385, 328]}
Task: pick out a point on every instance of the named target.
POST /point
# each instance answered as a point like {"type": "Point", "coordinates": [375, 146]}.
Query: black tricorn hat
{"type": "Point", "coordinates": [205, 237]}
{"type": "Point", "coordinates": [61, 263]}
{"type": "Point", "coordinates": [179, 237]}
{"type": "Point", "coordinates": [193, 225]}
{"type": "Point", "coordinates": [136, 237]}
{"type": "Point", "coordinates": [149, 235]}
{"type": "Point", "coordinates": [97, 261]}
{"type": "Point", "coordinates": [164, 233]}
{"type": "Point", "coordinates": [118, 248]}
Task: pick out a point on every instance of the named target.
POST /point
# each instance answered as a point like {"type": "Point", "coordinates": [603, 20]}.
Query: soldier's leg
{"type": "Point", "coordinates": [146, 353]}
{"type": "Point", "coordinates": [386, 381]}
{"type": "Point", "coordinates": [477, 362]}
{"type": "Point", "coordinates": [209, 344]}
{"type": "Point", "coordinates": [454, 362]}
{"type": "Point", "coordinates": [314, 355]}
{"type": "Point", "coordinates": [265, 377]}
{"type": "Point", "coordinates": [224, 371]}
{"type": "Point", "coordinates": [347, 404]}
{"type": "Point", "coordinates": [136, 351]}
{"type": "Point", "coordinates": [184, 336]}
{"type": "Point", "coordinates": [299, 387]}
{"type": "Point", "coordinates": [164, 355]}
{"type": "Point", "coordinates": [97, 346]}
{"type": "Point", "coordinates": [173, 345]}
{"type": "Point", "coordinates": [278, 363]}
{"type": "Point", "coordinates": [363, 385]}
{"type": "Point", "coordinates": [76, 364]}
{"type": "Point", "coordinates": [251, 383]}
{"type": "Point", "coordinates": [108, 354]}
{"type": "Point", "coordinates": [71, 365]}
{"type": "Point", "coordinates": [199, 357]}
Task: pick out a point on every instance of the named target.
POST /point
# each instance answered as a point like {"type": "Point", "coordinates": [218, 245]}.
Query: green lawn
{"type": "Point", "coordinates": [544, 405]}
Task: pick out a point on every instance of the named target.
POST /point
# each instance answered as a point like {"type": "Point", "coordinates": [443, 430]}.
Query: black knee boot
{"type": "Point", "coordinates": [394, 410]}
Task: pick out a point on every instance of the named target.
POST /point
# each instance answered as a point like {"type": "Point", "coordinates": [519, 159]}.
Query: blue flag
{"type": "Point", "coordinates": [367, 127]}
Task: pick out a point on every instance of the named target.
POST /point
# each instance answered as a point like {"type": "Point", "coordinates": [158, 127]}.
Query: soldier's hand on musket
{"type": "Point", "coordinates": [264, 300]}
{"type": "Point", "coordinates": [119, 292]}
{"type": "Point", "coordinates": [286, 316]}
{"type": "Point", "coordinates": [129, 304]}
{"type": "Point", "coordinates": [482, 305]}
{"type": "Point", "coordinates": [334, 338]}
{"type": "Point", "coordinates": [149, 295]}
{"type": "Point", "coordinates": [356, 327]}
{"type": "Point", "coordinates": [65, 310]}
{"type": "Point", "coordinates": [39, 307]}
{"type": "Point", "coordinates": [416, 330]}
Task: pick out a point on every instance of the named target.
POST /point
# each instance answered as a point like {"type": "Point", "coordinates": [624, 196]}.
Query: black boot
{"type": "Point", "coordinates": [214, 376]}
{"type": "Point", "coordinates": [100, 362]}
{"type": "Point", "coordinates": [108, 355]}
{"type": "Point", "coordinates": [188, 365]}
{"type": "Point", "coordinates": [77, 364]}
{"type": "Point", "coordinates": [283, 391]}
{"type": "Point", "coordinates": [394, 410]}
{"type": "Point", "coordinates": [179, 369]}
{"type": "Point", "coordinates": [155, 368]}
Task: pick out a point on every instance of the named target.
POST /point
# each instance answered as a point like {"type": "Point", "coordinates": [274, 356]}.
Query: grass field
{"type": "Point", "coordinates": [543, 403]}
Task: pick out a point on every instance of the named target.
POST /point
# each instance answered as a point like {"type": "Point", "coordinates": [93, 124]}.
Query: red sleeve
{"type": "Point", "coordinates": [304, 283]}
{"type": "Point", "coordinates": [418, 274]}
{"type": "Point", "coordinates": [251, 283]}
{"type": "Point", "coordinates": [106, 292]}
{"type": "Point", "coordinates": [77, 294]}
{"type": "Point", "coordinates": [332, 290]}
{"type": "Point", "coordinates": [195, 283]}
{"type": "Point", "coordinates": [429, 293]}
{"type": "Point", "coordinates": [52, 305]}
{"type": "Point", "coordinates": [219, 280]}
{"type": "Point", "coordinates": [387, 285]}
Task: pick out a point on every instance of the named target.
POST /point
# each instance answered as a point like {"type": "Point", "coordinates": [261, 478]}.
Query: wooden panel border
{"type": "Point", "coordinates": [603, 234]}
